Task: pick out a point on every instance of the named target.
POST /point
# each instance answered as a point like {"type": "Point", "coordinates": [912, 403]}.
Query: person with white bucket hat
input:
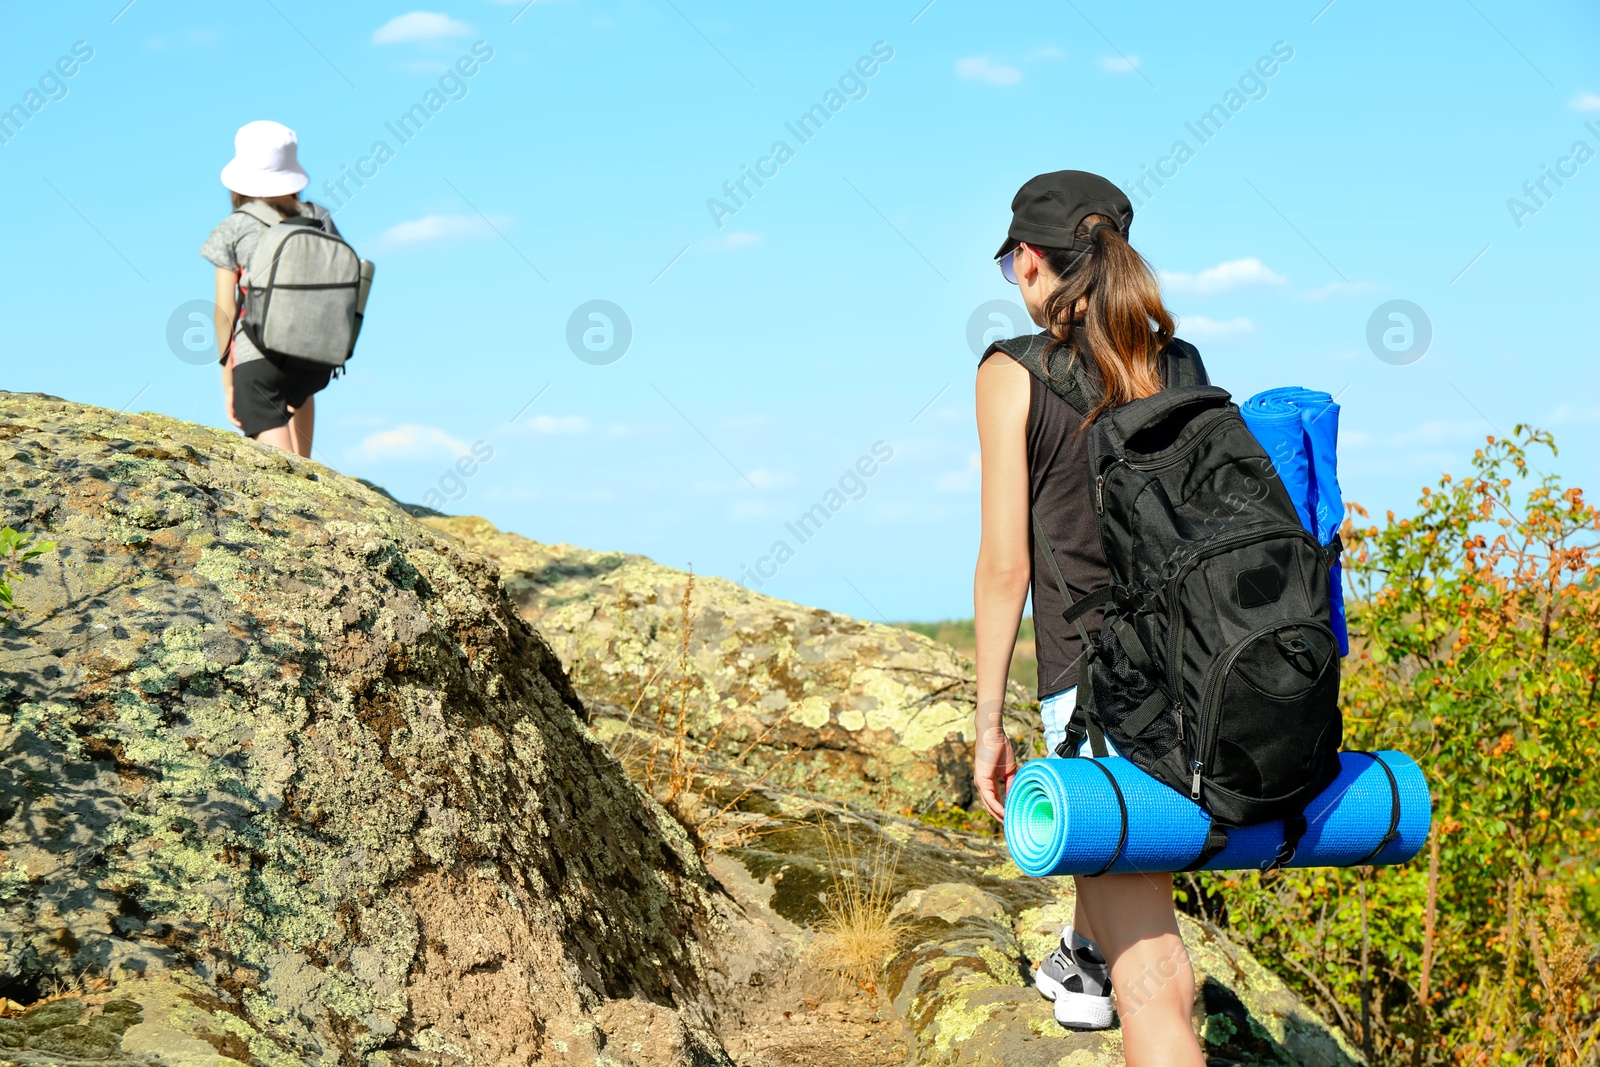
{"type": "Point", "coordinates": [286, 323]}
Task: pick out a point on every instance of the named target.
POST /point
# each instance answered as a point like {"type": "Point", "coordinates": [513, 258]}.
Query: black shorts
{"type": "Point", "coordinates": [265, 390]}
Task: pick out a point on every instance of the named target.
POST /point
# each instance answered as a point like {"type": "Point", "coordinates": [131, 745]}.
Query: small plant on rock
{"type": "Point", "coordinates": [15, 550]}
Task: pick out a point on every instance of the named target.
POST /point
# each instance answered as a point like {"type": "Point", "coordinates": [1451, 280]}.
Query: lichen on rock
{"type": "Point", "coordinates": [807, 698]}
{"type": "Point", "coordinates": [262, 730]}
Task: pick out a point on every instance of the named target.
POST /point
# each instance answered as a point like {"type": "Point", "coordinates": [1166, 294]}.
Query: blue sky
{"type": "Point", "coordinates": [777, 339]}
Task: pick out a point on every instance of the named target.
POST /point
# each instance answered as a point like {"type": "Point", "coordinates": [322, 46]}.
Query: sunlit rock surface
{"type": "Point", "coordinates": [274, 750]}
{"type": "Point", "coordinates": [851, 709]}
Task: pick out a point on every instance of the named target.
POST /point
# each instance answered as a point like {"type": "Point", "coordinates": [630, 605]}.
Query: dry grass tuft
{"type": "Point", "coordinates": [857, 938]}
{"type": "Point", "coordinates": [699, 790]}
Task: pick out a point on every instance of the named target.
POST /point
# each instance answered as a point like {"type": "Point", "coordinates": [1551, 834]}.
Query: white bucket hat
{"type": "Point", "coordinates": [265, 161]}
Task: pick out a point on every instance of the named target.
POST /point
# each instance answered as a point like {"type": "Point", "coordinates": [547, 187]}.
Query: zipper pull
{"type": "Point", "coordinates": [1099, 493]}
{"type": "Point", "coordinates": [1177, 713]}
{"type": "Point", "coordinates": [1194, 787]}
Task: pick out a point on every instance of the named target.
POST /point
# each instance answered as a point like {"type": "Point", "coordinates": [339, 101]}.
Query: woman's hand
{"type": "Point", "coordinates": [994, 763]}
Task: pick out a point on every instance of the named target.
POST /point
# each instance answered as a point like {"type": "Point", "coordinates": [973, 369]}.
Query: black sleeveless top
{"type": "Point", "coordinates": [1058, 479]}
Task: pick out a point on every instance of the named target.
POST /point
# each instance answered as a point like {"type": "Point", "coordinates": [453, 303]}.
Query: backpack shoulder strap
{"type": "Point", "coordinates": [1184, 366]}
{"type": "Point", "coordinates": [260, 212]}
{"type": "Point", "coordinates": [1030, 351]}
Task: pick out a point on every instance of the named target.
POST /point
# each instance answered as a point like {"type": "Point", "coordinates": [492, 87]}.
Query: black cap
{"type": "Point", "coordinates": [1047, 209]}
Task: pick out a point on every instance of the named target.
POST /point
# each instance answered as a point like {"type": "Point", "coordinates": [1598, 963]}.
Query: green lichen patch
{"type": "Point", "coordinates": [70, 1029]}
{"type": "Point", "coordinates": [804, 698]}
{"type": "Point", "coordinates": [262, 729]}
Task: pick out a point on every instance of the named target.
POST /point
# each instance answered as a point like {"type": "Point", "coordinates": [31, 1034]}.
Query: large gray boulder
{"type": "Point", "coordinates": [285, 768]}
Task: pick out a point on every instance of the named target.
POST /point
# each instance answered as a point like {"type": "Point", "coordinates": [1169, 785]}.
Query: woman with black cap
{"type": "Point", "coordinates": [1104, 326]}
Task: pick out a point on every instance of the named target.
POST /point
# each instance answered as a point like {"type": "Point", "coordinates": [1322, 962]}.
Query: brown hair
{"type": "Point", "coordinates": [1124, 326]}
{"type": "Point", "coordinates": [283, 205]}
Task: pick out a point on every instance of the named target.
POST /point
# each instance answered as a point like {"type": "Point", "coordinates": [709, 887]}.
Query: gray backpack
{"type": "Point", "coordinates": [305, 290]}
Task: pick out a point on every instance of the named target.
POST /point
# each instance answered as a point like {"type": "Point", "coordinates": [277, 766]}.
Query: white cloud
{"type": "Point", "coordinates": [1200, 327]}
{"type": "Point", "coordinates": [559, 424]}
{"type": "Point", "coordinates": [1233, 274]}
{"type": "Point", "coordinates": [433, 228]}
{"type": "Point", "coordinates": [419, 26]}
{"type": "Point", "coordinates": [1586, 101]}
{"type": "Point", "coordinates": [1048, 51]}
{"type": "Point", "coordinates": [965, 480]}
{"type": "Point", "coordinates": [984, 69]}
{"type": "Point", "coordinates": [1119, 64]}
{"type": "Point", "coordinates": [1568, 413]}
{"type": "Point", "coordinates": [765, 479]}
{"type": "Point", "coordinates": [411, 441]}
{"type": "Point", "coordinates": [732, 242]}
{"type": "Point", "coordinates": [1332, 289]}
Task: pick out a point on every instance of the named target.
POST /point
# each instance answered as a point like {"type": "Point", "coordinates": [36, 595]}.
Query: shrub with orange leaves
{"type": "Point", "coordinates": [1475, 631]}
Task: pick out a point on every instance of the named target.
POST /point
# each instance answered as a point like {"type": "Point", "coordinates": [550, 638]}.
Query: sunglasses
{"type": "Point", "coordinates": [1008, 263]}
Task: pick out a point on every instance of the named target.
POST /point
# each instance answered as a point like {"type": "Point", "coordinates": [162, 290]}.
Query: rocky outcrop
{"type": "Point", "coordinates": [804, 697]}
{"type": "Point", "coordinates": [975, 929]}
{"type": "Point", "coordinates": [285, 779]}
{"type": "Point", "coordinates": [286, 768]}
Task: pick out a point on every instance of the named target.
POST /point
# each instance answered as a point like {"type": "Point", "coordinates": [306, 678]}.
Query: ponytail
{"type": "Point", "coordinates": [1108, 309]}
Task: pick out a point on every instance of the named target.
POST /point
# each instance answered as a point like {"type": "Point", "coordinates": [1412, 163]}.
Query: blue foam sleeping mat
{"type": "Point", "coordinates": [1063, 817]}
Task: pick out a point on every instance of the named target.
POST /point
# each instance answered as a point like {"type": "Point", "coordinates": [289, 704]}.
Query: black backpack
{"type": "Point", "coordinates": [1216, 670]}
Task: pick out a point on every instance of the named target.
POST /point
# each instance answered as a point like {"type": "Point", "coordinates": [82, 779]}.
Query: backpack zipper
{"type": "Point", "coordinates": [1100, 480]}
{"type": "Point", "coordinates": [1186, 454]}
{"type": "Point", "coordinates": [1209, 720]}
{"type": "Point", "coordinates": [1175, 620]}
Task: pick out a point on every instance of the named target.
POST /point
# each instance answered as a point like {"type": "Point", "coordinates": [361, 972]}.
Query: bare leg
{"type": "Point", "coordinates": [1132, 919]}
{"type": "Point", "coordinates": [1080, 915]}
{"type": "Point", "coordinates": [277, 438]}
{"type": "Point", "coordinates": [300, 423]}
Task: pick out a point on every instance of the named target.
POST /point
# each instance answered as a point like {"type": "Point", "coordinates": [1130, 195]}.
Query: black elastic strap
{"type": "Point", "coordinates": [1394, 811]}
{"type": "Point", "coordinates": [1146, 713]}
{"type": "Point", "coordinates": [1333, 549]}
{"type": "Point", "coordinates": [1094, 231]}
{"type": "Point", "coordinates": [1216, 841]}
{"type": "Point", "coordinates": [1294, 828]}
{"type": "Point", "coordinates": [1122, 805]}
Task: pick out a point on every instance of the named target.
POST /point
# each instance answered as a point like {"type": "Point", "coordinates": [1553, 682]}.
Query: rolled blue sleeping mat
{"type": "Point", "coordinates": [1299, 428]}
{"type": "Point", "coordinates": [1063, 817]}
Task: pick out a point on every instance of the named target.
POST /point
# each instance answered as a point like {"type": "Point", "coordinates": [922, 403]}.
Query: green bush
{"type": "Point", "coordinates": [1475, 629]}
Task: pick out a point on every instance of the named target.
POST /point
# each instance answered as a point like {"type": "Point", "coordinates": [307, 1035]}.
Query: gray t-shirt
{"type": "Point", "coordinates": [230, 247]}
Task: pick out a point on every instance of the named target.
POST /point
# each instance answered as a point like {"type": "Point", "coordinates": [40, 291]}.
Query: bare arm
{"type": "Point", "coordinates": [222, 320]}
{"type": "Point", "coordinates": [1000, 585]}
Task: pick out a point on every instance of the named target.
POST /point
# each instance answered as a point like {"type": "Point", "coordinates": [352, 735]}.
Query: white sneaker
{"type": "Point", "coordinates": [1079, 983]}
